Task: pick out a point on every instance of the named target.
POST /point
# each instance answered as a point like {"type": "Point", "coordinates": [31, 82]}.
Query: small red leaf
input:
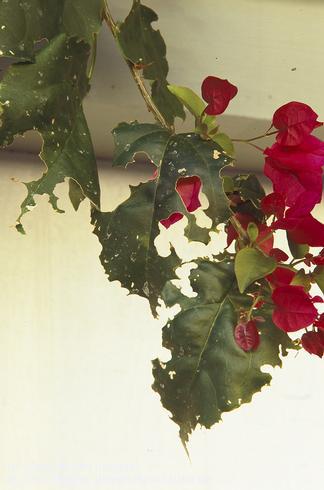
{"type": "Point", "coordinates": [279, 255]}
{"type": "Point", "coordinates": [247, 336]}
{"type": "Point", "coordinates": [319, 323]}
{"type": "Point", "coordinates": [188, 189]}
{"type": "Point", "coordinates": [218, 93]}
{"type": "Point", "coordinates": [293, 308]}
{"type": "Point", "coordinates": [313, 343]}
{"type": "Point", "coordinates": [173, 218]}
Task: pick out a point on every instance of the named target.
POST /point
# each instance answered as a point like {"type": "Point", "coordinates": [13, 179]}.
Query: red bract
{"type": "Point", "coordinates": [247, 336]}
{"type": "Point", "coordinates": [264, 231]}
{"type": "Point", "coordinates": [278, 254]}
{"type": "Point", "coordinates": [274, 204]}
{"type": "Point", "coordinates": [217, 93]}
{"type": "Point", "coordinates": [319, 259]}
{"type": "Point", "coordinates": [188, 189]}
{"type": "Point", "coordinates": [296, 170]}
{"type": "Point", "coordinates": [294, 121]}
{"type": "Point", "coordinates": [281, 276]}
{"type": "Point", "coordinates": [303, 230]}
{"type": "Point", "coordinates": [313, 343]}
{"type": "Point", "coordinates": [173, 218]}
{"type": "Point", "coordinates": [319, 323]}
{"type": "Point", "coordinates": [293, 308]}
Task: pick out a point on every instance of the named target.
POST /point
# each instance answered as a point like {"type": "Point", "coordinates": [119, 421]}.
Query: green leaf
{"type": "Point", "coordinates": [128, 233]}
{"type": "Point", "coordinates": [253, 232]}
{"type": "Point", "coordinates": [208, 374]}
{"type": "Point", "coordinates": [196, 107]}
{"type": "Point", "coordinates": [318, 275]}
{"type": "Point", "coordinates": [249, 188]}
{"type": "Point", "coordinates": [132, 138]}
{"type": "Point", "coordinates": [144, 47]}
{"type": "Point", "coordinates": [297, 250]}
{"type": "Point", "coordinates": [228, 184]}
{"type": "Point", "coordinates": [75, 194]}
{"type": "Point", "coordinates": [225, 142]}
{"type": "Point", "coordinates": [301, 279]}
{"type": "Point", "coordinates": [168, 105]}
{"type": "Point", "coordinates": [46, 96]}
{"type": "Point", "coordinates": [25, 23]}
{"type": "Point", "coordinates": [189, 99]}
{"type": "Point", "coordinates": [250, 265]}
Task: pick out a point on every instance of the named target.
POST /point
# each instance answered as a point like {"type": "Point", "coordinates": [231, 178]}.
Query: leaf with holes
{"type": "Point", "coordinates": [128, 234]}
{"type": "Point", "coordinates": [146, 49]}
{"type": "Point", "coordinates": [47, 96]}
{"type": "Point", "coordinates": [37, 20]}
{"type": "Point", "coordinates": [208, 373]}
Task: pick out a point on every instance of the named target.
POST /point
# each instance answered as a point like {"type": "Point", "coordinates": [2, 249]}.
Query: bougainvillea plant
{"type": "Point", "coordinates": [248, 298]}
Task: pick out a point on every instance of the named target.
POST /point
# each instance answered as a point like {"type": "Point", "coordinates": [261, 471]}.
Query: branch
{"type": "Point", "coordinates": [135, 73]}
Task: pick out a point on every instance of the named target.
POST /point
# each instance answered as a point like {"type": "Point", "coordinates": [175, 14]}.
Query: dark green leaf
{"type": "Point", "coordinates": [249, 188]}
{"type": "Point", "coordinates": [75, 194]}
{"type": "Point", "coordinates": [145, 48]}
{"type": "Point", "coordinates": [224, 142]}
{"type": "Point", "coordinates": [168, 105]}
{"type": "Point", "coordinates": [132, 138]}
{"type": "Point", "coordinates": [128, 233]}
{"type": "Point", "coordinates": [250, 265]}
{"type": "Point", "coordinates": [47, 96]}
{"type": "Point", "coordinates": [208, 374]}
{"type": "Point", "coordinates": [24, 23]}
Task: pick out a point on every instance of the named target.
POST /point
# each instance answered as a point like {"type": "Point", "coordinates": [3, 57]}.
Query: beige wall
{"type": "Point", "coordinates": [76, 408]}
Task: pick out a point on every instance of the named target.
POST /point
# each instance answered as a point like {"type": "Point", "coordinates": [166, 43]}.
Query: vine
{"type": "Point", "coordinates": [249, 297]}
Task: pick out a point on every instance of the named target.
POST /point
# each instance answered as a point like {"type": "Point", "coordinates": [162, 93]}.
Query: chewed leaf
{"type": "Point", "coordinates": [132, 138]}
{"type": "Point", "coordinates": [51, 92]}
{"type": "Point", "coordinates": [37, 20]}
{"type": "Point", "coordinates": [146, 49]}
{"type": "Point", "coordinates": [128, 234]}
{"type": "Point", "coordinates": [203, 379]}
{"type": "Point", "coordinates": [65, 159]}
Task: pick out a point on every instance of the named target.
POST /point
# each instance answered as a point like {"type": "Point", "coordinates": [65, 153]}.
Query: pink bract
{"type": "Point", "coordinates": [173, 218]}
{"type": "Point", "coordinates": [293, 308]}
{"type": "Point", "coordinates": [188, 189]}
{"type": "Point", "coordinates": [294, 121]}
{"type": "Point", "coordinates": [217, 93]}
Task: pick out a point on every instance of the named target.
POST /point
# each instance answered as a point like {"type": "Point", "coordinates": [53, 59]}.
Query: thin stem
{"type": "Point", "coordinates": [239, 228]}
{"type": "Point", "coordinates": [255, 137]}
{"type": "Point", "coordinates": [135, 73]}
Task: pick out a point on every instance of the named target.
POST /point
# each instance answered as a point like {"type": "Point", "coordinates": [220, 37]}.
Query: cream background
{"type": "Point", "coordinates": [76, 408]}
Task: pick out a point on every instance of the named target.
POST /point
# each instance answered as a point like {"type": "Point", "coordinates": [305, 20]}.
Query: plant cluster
{"type": "Point", "coordinates": [249, 297]}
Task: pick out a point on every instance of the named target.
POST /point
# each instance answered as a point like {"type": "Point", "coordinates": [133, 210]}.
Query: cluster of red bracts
{"type": "Point", "coordinates": [294, 166]}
